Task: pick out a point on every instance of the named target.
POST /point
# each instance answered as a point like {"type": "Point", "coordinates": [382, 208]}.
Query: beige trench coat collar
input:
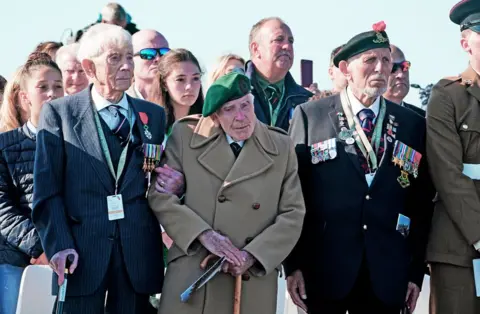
{"type": "Point", "coordinates": [218, 158]}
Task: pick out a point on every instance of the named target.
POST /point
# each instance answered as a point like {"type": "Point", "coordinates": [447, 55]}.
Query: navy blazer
{"type": "Point", "coordinates": [346, 220]}
{"type": "Point", "coordinates": [72, 182]}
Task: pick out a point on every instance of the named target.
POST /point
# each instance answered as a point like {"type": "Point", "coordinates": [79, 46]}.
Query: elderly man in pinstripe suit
{"type": "Point", "coordinates": [89, 195]}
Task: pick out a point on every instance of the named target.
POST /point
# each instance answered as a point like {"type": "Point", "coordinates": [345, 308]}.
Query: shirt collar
{"type": "Point", "coordinates": [357, 106]}
{"type": "Point", "coordinates": [31, 127]}
{"type": "Point", "coordinates": [230, 140]}
{"type": "Point", "coordinates": [101, 103]}
{"type": "Point", "coordinates": [139, 95]}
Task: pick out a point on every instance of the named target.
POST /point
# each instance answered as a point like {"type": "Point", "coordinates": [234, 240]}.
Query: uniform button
{"type": "Point", "coordinates": [248, 240]}
{"type": "Point", "coordinates": [465, 127]}
{"type": "Point", "coordinates": [222, 198]}
{"type": "Point", "coordinates": [367, 197]}
{"type": "Point", "coordinates": [255, 206]}
{"type": "Point", "coordinates": [364, 227]}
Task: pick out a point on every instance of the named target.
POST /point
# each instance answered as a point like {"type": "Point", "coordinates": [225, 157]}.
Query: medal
{"type": "Point", "coordinates": [350, 141]}
{"type": "Point", "coordinates": [144, 119]}
{"type": "Point", "coordinates": [152, 154]}
{"type": "Point", "coordinates": [345, 134]}
{"type": "Point", "coordinates": [389, 139]}
{"type": "Point", "coordinates": [403, 179]}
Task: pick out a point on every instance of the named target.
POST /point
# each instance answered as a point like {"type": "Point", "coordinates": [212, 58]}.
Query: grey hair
{"type": "Point", "coordinates": [100, 37]}
{"type": "Point", "coordinates": [256, 28]}
{"type": "Point", "coordinates": [114, 12]}
{"type": "Point", "coordinates": [70, 50]}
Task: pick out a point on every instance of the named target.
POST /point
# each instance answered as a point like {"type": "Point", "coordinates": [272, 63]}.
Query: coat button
{"type": "Point", "coordinates": [222, 198]}
{"type": "Point", "coordinates": [365, 227]}
{"type": "Point", "coordinates": [465, 127]}
{"type": "Point", "coordinates": [248, 240]}
{"type": "Point", "coordinates": [255, 206]}
{"type": "Point", "coordinates": [367, 197]}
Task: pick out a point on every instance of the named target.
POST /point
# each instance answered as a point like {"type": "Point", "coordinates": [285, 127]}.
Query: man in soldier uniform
{"type": "Point", "coordinates": [453, 143]}
{"type": "Point", "coordinates": [366, 188]}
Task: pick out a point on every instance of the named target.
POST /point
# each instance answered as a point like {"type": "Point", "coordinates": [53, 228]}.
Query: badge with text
{"type": "Point", "coordinates": [323, 151]}
{"type": "Point", "coordinates": [403, 225]}
{"type": "Point", "coordinates": [345, 133]}
{"type": "Point", "coordinates": [152, 154]}
{"type": "Point", "coordinates": [115, 207]}
{"type": "Point", "coordinates": [408, 160]}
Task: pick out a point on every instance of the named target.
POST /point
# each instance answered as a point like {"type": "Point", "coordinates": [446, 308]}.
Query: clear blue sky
{"type": "Point", "coordinates": [209, 28]}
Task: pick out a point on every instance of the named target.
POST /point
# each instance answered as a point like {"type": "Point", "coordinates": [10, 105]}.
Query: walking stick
{"type": "Point", "coordinates": [237, 295]}
{"type": "Point", "coordinates": [62, 291]}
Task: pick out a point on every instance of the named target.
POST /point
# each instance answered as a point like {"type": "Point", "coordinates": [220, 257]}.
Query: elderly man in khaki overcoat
{"type": "Point", "coordinates": [243, 202]}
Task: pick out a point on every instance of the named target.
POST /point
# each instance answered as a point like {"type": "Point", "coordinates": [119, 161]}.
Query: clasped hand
{"type": "Point", "coordinates": [238, 261]}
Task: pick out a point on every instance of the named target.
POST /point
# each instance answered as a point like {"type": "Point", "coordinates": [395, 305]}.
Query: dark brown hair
{"type": "Point", "coordinates": [35, 60]}
{"type": "Point", "coordinates": [160, 94]}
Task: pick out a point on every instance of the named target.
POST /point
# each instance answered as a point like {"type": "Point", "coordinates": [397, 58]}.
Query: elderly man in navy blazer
{"type": "Point", "coordinates": [94, 152]}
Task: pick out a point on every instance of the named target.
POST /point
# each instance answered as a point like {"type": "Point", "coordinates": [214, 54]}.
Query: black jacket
{"type": "Point", "coordinates": [19, 240]}
{"type": "Point", "coordinates": [294, 95]}
{"type": "Point", "coordinates": [415, 109]}
{"type": "Point", "coordinates": [347, 221]}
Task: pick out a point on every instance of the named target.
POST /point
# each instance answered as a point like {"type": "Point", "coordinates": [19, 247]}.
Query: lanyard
{"type": "Point", "coordinates": [362, 140]}
{"type": "Point", "coordinates": [106, 151]}
{"type": "Point", "coordinates": [274, 113]}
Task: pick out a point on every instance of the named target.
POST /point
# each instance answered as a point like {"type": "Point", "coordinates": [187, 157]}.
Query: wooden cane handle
{"type": "Point", "coordinates": [238, 295]}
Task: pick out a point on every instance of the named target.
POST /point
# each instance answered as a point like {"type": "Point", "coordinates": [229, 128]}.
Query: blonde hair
{"type": "Point", "coordinates": [221, 66]}
{"type": "Point", "coordinates": [12, 114]}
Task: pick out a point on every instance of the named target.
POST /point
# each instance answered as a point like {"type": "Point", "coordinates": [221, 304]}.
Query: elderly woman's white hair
{"type": "Point", "coordinates": [66, 52]}
{"type": "Point", "coordinates": [101, 37]}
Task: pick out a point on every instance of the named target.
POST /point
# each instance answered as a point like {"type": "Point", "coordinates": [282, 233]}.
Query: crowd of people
{"type": "Point", "coordinates": [120, 169]}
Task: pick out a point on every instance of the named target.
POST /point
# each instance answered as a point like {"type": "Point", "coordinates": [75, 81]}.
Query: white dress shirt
{"type": "Point", "coordinates": [101, 104]}
{"type": "Point", "coordinates": [357, 106]}
{"type": "Point", "coordinates": [230, 140]}
{"type": "Point", "coordinates": [139, 95]}
{"type": "Point", "coordinates": [31, 127]}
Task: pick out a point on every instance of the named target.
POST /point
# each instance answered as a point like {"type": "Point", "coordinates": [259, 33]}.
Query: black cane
{"type": "Point", "coordinates": [62, 291]}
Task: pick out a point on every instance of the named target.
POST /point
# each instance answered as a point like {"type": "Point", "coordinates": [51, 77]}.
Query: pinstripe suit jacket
{"type": "Point", "coordinates": [72, 182]}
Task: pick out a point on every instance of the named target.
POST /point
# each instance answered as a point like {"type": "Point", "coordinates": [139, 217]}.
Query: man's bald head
{"type": "Point", "coordinates": [148, 38]}
{"type": "Point", "coordinates": [397, 54]}
{"type": "Point", "coordinates": [145, 70]}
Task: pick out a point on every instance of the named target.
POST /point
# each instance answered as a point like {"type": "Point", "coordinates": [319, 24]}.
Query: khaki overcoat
{"type": "Point", "coordinates": [256, 200]}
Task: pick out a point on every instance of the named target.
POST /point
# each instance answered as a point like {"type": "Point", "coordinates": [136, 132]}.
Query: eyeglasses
{"type": "Point", "coordinates": [404, 66]}
{"type": "Point", "coordinates": [151, 53]}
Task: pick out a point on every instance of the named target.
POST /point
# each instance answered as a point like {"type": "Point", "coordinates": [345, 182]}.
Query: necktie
{"type": "Point", "coordinates": [122, 126]}
{"type": "Point", "coordinates": [236, 148]}
{"type": "Point", "coordinates": [273, 95]}
{"type": "Point", "coordinates": [366, 117]}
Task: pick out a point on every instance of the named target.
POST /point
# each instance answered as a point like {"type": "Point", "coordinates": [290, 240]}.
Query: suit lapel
{"type": "Point", "coordinates": [134, 165]}
{"type": "Point", "coordinates": [218, 157]}
{"type": "Point", "coordinates": [349, 149]}
{"type": "Point", "coordinates": [87, 135]}
{"type": "Point", "coordinates": [253, 159]}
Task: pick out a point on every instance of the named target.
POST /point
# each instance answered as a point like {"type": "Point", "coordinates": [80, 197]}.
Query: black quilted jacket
{"type": "Point", "coordinates": [19, 240]}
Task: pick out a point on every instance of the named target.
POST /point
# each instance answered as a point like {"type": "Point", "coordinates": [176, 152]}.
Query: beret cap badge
{"type": "Point", "coordinates": [378, 28]}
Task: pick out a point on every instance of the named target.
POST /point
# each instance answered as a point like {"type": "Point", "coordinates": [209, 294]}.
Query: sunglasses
{"type": "Point", "coordinates": [151, 53]}
{"type": "Point", "coordinates": [404, 66]}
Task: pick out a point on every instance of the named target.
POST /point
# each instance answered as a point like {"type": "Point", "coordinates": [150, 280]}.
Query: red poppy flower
{"type": "Point", "coordinates": [379, 27]}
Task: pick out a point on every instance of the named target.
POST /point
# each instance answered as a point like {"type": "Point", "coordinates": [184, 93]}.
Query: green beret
{"type": "Point", "coordinates": [363, 42]}
{"type": "Point", "coordinates": [226, 88]}
{"type": "Point", "coordinates": [466, 13]}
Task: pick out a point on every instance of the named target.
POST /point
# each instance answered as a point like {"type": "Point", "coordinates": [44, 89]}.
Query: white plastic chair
{"type": "Point", "coordinates": [35, 295]}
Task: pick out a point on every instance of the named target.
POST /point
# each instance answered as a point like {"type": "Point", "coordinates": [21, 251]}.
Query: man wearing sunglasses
{"type": "Point", "coordinates": [148, 46]}
{"type": "Point", "coordinates": [453, 152]}
{"type": "Point", "coordinates": [399, 81]}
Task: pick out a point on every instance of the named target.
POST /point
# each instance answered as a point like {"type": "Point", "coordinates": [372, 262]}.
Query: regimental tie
{"type": "Point", "coordinates": [273, 95]}
{"type": "Point", "coordinates": [236, 149]}
{"type": "Point", "coordinates": [122, 127]}
{"type": "Point", "coordinates": [366, 117]}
